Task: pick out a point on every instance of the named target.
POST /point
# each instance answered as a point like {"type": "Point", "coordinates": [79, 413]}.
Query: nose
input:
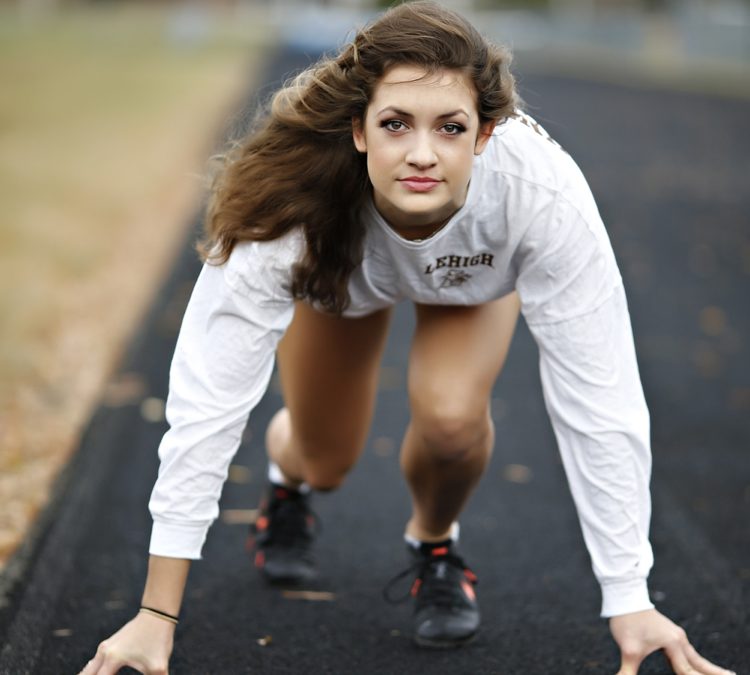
{"type": "Point", "coordinates": [421, 153]}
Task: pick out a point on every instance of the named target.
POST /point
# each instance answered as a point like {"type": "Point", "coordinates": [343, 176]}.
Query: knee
{"type": "Point", "coordinates": [324, 481]}
{"type": "Point", "coordinates": [453, 432]}
{"type": "Point", "coordinates": [323, 469]}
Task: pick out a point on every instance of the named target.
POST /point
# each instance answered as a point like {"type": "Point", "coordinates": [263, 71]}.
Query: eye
{"type": "Point", "coordinates": [393, 125]}
{"type": "Point", "coordinates": [453, 128]}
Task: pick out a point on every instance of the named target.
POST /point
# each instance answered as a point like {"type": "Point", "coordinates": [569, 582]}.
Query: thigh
{"type": "Point", "coordinates": [329, 370]}
{"type": "Point", "coordinates": [456, 356]}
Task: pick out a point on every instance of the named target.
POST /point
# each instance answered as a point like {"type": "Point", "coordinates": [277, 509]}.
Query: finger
{"type": "Point", "coordinates": [703, 665]}
{"type": "Point", "coordinates": [678, 660]}
{"type": "Point", "coordinates": [685, 660]}
{"type": "Point", "coordinates": [92, 666]}
{"type": "Point", "coordinates": [629, 663]}
{"type": "Point", "coordinates": [105, 664]}
{"type": "Point", "coordinates": [627, 670]}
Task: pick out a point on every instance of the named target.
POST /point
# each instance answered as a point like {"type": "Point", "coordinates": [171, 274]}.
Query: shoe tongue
{"type": "Point", "coordinates": [440, 570]}
{"type": "Point", "coordinates": [435, 549]}
{"type": "Point", "coordinates": [284, 492]}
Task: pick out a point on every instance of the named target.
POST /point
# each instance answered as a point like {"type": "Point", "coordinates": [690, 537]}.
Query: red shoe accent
{"type": "Point", "coordinates": [260, 559]}
{"type": "Point", "coordinates": [280, 493]}
{"type": "Point", "coordinates": [443, 550]}
{"type": "Point", "coordinates": [469, 590]}
{"type": "Point", "coordinates": [415, 588]}
{"type": "Point", "coordinates": [471, 576]}
{"type": "Point", "coordinates": [261, 523]}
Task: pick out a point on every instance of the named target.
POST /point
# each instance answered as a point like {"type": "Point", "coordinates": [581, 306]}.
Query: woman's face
{"type": "Point", "coordinates": [421, 132]}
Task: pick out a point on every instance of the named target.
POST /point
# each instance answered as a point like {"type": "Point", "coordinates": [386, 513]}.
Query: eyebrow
{"type": "Point", "coordinates": [404, 113]}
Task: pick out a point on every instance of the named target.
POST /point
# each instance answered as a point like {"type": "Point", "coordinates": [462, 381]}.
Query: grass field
{"type": "Point", "coordinates": [107, 116]}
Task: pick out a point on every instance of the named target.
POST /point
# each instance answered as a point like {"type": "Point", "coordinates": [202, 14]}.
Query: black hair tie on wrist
{"type": "Point", "coordinates": [159, 614]}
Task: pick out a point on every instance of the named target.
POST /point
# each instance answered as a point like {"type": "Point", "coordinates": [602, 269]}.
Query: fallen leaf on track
{"type": "Point", "coordinates": [239, 474]}
{"type": "Point", "coordinates": [152, 409]}
{"type": "Point", "coordinates": [239, 516]}
{"type": "Point", "coordinates": [315, 596]}
{"type": "Point", "coordinates": [517, 473]}
{"type": "Point", "coordinates": [384, 446]}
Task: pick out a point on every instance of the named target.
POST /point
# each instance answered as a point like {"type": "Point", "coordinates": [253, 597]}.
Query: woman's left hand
{"type": "Point", "coordinates": [642, 633]}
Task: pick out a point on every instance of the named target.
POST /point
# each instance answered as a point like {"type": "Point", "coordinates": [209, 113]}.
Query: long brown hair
{"type": "Point", "coordinates": [299, 166]}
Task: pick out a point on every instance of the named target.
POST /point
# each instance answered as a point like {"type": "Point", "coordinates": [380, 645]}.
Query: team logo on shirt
{"type": "Point", "coordinates": [456, 274]}
{"type": "Point", "coordinates": [454, 278]}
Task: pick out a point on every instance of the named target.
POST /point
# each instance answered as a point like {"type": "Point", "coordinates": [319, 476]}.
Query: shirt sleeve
{"type": "Point", "coordinates": [221, 367]}
{"type": "Point", "coordinates": [574, 303]}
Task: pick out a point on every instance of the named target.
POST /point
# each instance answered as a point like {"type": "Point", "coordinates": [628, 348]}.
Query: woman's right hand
{"type": "Point", "coordinates": [144, 643]}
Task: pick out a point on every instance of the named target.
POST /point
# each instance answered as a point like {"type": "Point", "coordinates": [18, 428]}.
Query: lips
{"type": "Point", "coordinates": [419, 183]}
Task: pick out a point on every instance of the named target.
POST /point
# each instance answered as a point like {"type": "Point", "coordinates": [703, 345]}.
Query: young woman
{"type": "Point", "coordinates": [402, 168]}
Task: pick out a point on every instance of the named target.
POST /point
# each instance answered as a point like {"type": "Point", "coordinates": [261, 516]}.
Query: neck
{"type": "Point", "coordinates": [418, 232]}
{"type": "Point", "coordinates": [412, 227]}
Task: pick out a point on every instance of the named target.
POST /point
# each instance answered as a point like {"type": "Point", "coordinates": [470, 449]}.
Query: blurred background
{"type": "Point", "coordinates": [108, 113]}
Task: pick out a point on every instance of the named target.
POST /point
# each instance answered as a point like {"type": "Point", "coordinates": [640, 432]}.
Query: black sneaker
{"type": "Point", "coordinates": [282, 536]}
{"type": "Point", "coordinates": [446, 613]}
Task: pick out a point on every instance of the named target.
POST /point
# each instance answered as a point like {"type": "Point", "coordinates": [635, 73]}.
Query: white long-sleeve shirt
{"type": "Point", "coordinates": [529, 224]}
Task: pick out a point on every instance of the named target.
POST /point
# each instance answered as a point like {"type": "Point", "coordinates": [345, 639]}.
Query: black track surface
{"type": "Point", "coordinates": [670, 172]}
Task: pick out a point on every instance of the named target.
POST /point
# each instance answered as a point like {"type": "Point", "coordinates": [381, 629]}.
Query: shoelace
{"type": "Point", "coordinates": [292, 521]}
{"type": "Point", "coordinates": [439, 591]}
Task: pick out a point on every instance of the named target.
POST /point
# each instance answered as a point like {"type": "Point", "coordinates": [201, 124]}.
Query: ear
{"type": "Point", "coordinates": [358, 134]}
{"type": "Point", "coordinates": [483, 137]}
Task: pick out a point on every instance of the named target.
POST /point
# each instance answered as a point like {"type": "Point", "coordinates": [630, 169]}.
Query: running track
{"type": "Point", "coordinates": [670, 173]}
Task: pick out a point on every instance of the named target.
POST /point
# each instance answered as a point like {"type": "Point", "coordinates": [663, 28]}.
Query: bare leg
{"type": "Point", "coordinates": [456, 356]}
{"type": "Point", "coordinates": [329, 374]}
